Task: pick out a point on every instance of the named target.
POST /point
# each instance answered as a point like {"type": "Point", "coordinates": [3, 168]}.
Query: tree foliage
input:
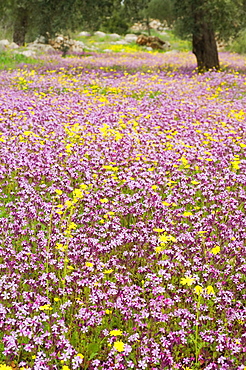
{"type": "Point", "coordinates": [206, 20]}
{"type": "Point", "coordinates": [162, 10]}
{"type": "Point", "coordinates": [226, 17]}
{"type": "Point", "coordinates": [37, 17]}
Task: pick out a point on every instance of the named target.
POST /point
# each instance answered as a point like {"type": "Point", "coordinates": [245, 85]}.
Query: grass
{"type": "Point", "coordinates": [11, 60]}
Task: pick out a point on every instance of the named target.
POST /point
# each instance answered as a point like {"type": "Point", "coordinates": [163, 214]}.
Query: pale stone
{"type": "Point", "coordinates": [40, 40]}
{"type": "Point", "coordinates": [119, 42]}
{"type": "Point", "coordinates": [13, 45]}
{"type": "Point", "coordinates": [114, 36]}
{"type": "Point", "coordinates": [4, 43]}
{"type": "Point", "coordinates": [40, 47]}
{"type": "Point", "coordinates": [28, 53]}
{"type": "Point", "coordinates": [84, 34]}
{"type": "Point", "coordinates": [130, 37]}
{"type": "Point", "coordinates": [100, 34]}
{"type": "Point", "coordinates": [172, 52]}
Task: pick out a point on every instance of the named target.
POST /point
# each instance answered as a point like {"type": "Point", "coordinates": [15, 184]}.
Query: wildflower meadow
{"type": "Point", "coordinates": [122, 213]}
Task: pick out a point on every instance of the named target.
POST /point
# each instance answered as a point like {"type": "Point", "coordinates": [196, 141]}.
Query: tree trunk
{"type": "Point", "coordinates": [20, 26]}
{"type": "Point", "coordinates": [205, 48]}
{"type": "Point", "coordinates": [148, 26]}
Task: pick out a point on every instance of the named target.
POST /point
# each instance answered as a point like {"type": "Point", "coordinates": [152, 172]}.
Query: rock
{"type": "Point", "coordinates": [153, 41]}
{"type": "Point", "coordinates": [4, 43]}
{"type": "Point", "coordinates": [114, 36]}
{"type": "Point", "coordinates": [90, 48]}
{"type": "Point", "coordinates": [13, 45]}
{"type": "Point", "coordinates": [167, 45]}
{"type": "Point", "coordinates": [138, 27]}
{"type": "Point", "coordinates": [77, 46]}
{"type": "Point", "coordinates": [65, 44]}
{"type": "Point", "coordinates": [28, 53]}
{"type": "Point", "coordinates": [142, 40]}
{"type": "Point", "coordinates": [148, 48]}
{"type": "Point", "coordinates": [130, 37]}
{"type": "Point", "coordinates": [84, 34]}
{"type": "Point", "coordinates": [100, 34]}
{"type": "Point", "coordinates": [172, 52]}
{"type": "Point", "coordinates": [154, 24]}
{"type": "Point", "coordinates": [119, 42]}
{"type": "Point", "coordinates": [40, 40]}
{"type": "Point", "coordinates": [40, 47]}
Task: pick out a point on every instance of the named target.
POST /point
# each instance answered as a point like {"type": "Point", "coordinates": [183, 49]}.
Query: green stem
{"type": "Point", "coordinates": [197, 318]}
{"type": "Point", "coordinates": [48, 251]}
{"type": "Point", "coordinates": [66, 251]}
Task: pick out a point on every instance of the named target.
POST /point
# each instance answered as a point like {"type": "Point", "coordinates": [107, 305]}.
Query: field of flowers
{"type": "Point", "coordinates": [122, 214]}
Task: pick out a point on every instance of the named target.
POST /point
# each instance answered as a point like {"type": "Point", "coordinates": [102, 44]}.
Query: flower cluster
{"type": "Point", "coordinates": [122, 214]}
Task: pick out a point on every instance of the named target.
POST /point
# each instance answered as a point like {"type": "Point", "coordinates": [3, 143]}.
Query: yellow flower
{"type": "Point", "coordinates": [65, 367]}
{"type": "Point", "coordinates": [158, 249]}
{"type": "Point", "coordinates": [115, 332]}
{"type": "Point", "coordinates": [59, 246]}
{"type": "Point", "coordinates": [5, 367]}
{"type": "Point", "coordinates": [194, 182]}
{"type": "Point", "coordinates": [68, 203]}
{"type": "Point", "coordinates": [236, 165]}
{"type": "Point", "coordinates": [103, 200]}
{"type": "Point", "coordinates": [154, 187]}
{"type": "Point", "coordinates": [56, 299]}
{"type": "Point", "coordinates": [108, 271]}
{"type": "Point", "coordinates": [158, 230]}
{"type": "Point", "coordinates": [187, 280]}
{"type": "Point", "coordinates": [45, 307]}
{"type": "Point", "coordinates": [77, 193]}
{"type": "Point", "coordinates": [166, 203]}
{"type": "Point", "coordinates": [119, 346]}
{"type": "Point", "coordinates": [89, 264]}
{"type": "Point", "coordinates": [58, 191]}
{"type": "Point", "coordinates": [108, 312]}
{"type": "Point", "coordinates": [184, 160]}
{"type": "Point", "coordinates": [72, 226]}
{"type": "Point", "coordinates": [164, 238]}
{"type": "Point", "coordinates": [210, 289]}
{"type": "Point", "coordinates": [80, 355]}
{"type": "Point", "coordinates": [198, 289]}
{"type": "Point", "coordinates": [215, 250]}
{"type": "Point", "coordinates": [186, 214]}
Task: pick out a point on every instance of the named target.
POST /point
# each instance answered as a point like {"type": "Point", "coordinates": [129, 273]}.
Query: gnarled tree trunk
{"type": "Point", "coordinates": [20, 26]}
{"type": "Point", "coordinates": [205, 48]}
